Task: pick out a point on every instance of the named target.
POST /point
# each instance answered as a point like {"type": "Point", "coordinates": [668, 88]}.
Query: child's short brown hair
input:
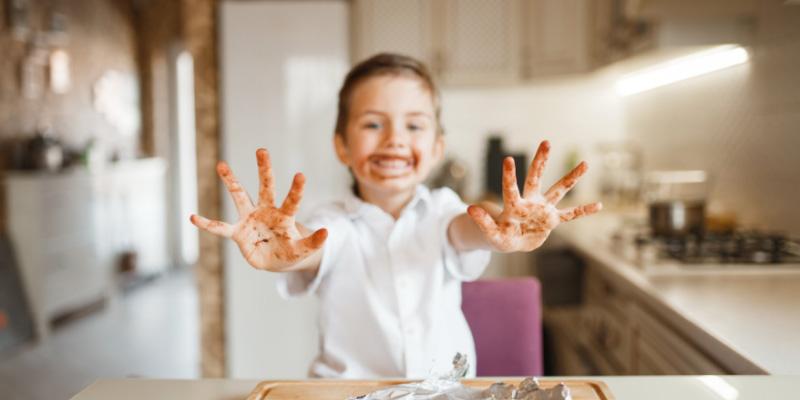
{"type": "Point", "coordinates": [385, 64]}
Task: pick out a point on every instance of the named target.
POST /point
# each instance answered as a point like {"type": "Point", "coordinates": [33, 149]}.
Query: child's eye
{"type": "Point", "coordinates": [415, 127]}
{"type": "Point", "coordinates": [372, 125]}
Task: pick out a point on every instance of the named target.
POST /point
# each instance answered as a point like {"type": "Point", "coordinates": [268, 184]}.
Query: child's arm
{"type": "Point", "coordinates": [525, 221]}
{"type": "Point", "coordinates": [268, 236]}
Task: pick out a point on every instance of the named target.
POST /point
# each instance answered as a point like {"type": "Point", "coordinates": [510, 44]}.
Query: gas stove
{"type": "Point", "coordinates": [733, 251]}
{"type": "Point", "coordinates": [746, 247]}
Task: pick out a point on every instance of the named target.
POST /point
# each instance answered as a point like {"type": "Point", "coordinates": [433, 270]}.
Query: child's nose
{"type": "Point", "coordinates": [396, 136]}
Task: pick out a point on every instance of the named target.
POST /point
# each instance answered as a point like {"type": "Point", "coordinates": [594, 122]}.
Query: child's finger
{"type": "Point", "coordinates": [576, 212]}
{"type": "Point", "coordinates": [484, 222]}
{"type": "Point", "coordinates": [216, 227]}
{"type": "Point", "coordinates": [557, 191]}
{"type": "Point", "coordinates": [510, 189]}
{"type": "Point", "coordinates": [537, 168]}
{"type": "Point", "coordinates": [312, 243]}
{"type": "Point", "coordinates": [266, 192]}
{"type": "Point", "coordinates": [292, 201]}
{"type": "Point", "coordinates": [240, 198]}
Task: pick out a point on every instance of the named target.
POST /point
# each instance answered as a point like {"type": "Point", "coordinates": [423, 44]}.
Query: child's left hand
{"type": "Point", "coordinates": [525, 222]}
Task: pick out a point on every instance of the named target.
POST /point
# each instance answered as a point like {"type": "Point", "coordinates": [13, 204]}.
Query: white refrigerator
{"type": "Point", "coordinates": [282, 63]}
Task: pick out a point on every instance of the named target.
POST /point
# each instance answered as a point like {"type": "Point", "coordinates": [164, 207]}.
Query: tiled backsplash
{"type": "Point", "coordinates": [573, 113]}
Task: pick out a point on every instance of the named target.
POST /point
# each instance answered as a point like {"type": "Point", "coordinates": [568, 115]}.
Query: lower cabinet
{"type": "Point", "coordinates": [659, 350]}
{"type": "Point", "coordinates": [611, 333]}
{"type": "Point", "coordinates": [69, 228]}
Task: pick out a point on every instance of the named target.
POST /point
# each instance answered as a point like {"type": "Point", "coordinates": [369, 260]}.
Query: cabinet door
{"type": "Point", "coordinates": [398, 26]}
{"type": "Point", "coordinates": [556, 37]}
{"type": "Point", "coordinates": [658, 344]}
{"type": "Point", "coordinates": [480, 41]}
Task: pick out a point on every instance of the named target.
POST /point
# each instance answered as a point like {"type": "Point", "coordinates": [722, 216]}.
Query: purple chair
{"type": "Point", "coordinates": [506, 321]}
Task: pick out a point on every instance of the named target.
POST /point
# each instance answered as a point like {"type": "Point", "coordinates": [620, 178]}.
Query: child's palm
{"type": "Point", "coordinates": [267, 236]}
{"type": "Point", "coordinates": [526, 221]}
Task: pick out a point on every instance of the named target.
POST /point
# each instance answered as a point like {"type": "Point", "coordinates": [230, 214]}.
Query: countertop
{"type": "Point", "coordinates": [745, 318]}
{"type": "Point", "coordinates": [623, 388]}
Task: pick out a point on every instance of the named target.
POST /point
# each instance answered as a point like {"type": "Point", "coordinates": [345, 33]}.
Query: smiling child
{"type": "Point", "coordinates": [387, 262]}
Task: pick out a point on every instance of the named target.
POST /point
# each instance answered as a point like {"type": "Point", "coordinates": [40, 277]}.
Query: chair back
{"type": "Point", "coordinates": [506, 322]}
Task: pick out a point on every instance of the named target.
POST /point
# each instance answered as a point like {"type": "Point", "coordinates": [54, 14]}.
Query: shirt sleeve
{"type": "Point", "coordinates": [295, 283]}
{"type": "Point", "coordinates": [462, 265]}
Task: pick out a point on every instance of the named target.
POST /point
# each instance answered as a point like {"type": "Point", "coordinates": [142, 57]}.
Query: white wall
{"type": "Point", "coordinates": [742, 124]}
{"type": "Point", "coordinates": [281, 67]}
{"type": "Point", "coordinates": [574, 113]}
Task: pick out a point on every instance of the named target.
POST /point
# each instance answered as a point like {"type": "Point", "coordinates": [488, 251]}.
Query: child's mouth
{"type": "Point", "coordinates": [391, 166]}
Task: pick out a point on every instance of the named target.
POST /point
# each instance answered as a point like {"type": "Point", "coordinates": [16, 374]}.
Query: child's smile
{"type": "Point", "coordinates": [391, 165]}
{"type": "Point", "coordinates": [392, 140]}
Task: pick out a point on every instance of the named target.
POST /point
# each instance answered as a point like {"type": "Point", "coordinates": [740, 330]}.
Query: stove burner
{"type": "Point", "coordinates": [745, 247]}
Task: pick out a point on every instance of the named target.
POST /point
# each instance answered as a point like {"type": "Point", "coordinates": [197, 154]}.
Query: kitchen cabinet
{"type": "Point", "coordinates": [404, 27]}
{"type": "Point", "coordinates": [556, 37]}
{"type": "Point", "coordinates": [478, 42]}
{"type": "Point", "coordinates": [617, 335]}
{"type": "Point", "coordinates": [68, 228]}
{"type": "Point", "coordinates": [55, 227]}
{"type": "Point", "coordinates": [659, 350]}
{"type": "Point", "coordinates": [462, 41]}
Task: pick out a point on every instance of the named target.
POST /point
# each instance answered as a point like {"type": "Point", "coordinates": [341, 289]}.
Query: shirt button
{"type": "Point", "coordinates": [403, 283]}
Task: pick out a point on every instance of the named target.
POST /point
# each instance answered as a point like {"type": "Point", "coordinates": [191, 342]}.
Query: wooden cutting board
{"type": "Point", "coordinates": [342, 389]}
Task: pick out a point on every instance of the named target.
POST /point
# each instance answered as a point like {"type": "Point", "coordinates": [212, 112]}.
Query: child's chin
{"type": "Point", "coordinates": [394, 184]}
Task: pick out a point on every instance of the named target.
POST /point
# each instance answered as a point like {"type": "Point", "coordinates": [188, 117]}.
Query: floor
{"type": "Point", "coordinates": [151, 331]}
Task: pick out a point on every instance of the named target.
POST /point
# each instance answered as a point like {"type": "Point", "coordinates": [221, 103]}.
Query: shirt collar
{"type": "Point", "coordinates": [354, 206]}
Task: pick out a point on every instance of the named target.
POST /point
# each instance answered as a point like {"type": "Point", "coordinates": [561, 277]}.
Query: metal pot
{"type": "Point", "coordinates": [44, 152]}
{"type": "Point", "coordinates": [676, 202]}
{"type": "Point", "coordinates": [677, 218]}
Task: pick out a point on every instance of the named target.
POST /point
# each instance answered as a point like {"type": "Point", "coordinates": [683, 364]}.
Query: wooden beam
{"type": "Point", "coordinates": [200, 35]}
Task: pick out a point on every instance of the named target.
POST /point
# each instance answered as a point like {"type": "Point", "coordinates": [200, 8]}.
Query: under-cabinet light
{"type": "Point", "coordinates": [682, 68]}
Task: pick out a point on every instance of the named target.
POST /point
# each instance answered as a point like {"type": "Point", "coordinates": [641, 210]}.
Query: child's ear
{"type": "Point", "coordinates": [341, 149]}
{"type": "Point", "coordinates": [438, 147]}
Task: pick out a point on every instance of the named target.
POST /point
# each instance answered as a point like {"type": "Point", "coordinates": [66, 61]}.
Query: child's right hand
{"type": "Point", "coordinates": [268, 237]}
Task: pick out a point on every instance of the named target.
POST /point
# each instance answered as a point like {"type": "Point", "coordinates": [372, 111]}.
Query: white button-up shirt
{"type": "Point", "coordinates": [390, 290]}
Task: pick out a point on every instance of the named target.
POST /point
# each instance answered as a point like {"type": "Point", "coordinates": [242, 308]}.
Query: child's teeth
{"type": "Point", "coordinates": [393, 163]}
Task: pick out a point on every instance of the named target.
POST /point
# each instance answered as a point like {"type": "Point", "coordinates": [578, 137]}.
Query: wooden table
{"type": "Point", "coordinates": [709, 387]}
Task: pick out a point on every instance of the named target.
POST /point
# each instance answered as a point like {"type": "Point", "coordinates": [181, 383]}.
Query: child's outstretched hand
{"type": "Point", "coordinates": [268, 236]}
{"type": "Point", "coordinates": [525, 222]}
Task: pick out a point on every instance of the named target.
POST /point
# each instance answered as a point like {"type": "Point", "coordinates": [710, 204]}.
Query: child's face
{"type": "Point", "coordinates": [391, 143]}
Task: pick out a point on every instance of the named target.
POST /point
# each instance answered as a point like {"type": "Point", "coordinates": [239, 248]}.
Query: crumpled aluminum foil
{"type": "Point", "coordinates": [448, 387]}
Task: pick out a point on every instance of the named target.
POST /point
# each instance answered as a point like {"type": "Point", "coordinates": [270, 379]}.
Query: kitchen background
{"type": "Point", "coordinates": [140, 98]}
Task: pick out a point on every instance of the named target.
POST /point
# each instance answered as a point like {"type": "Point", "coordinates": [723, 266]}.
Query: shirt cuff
{"type": "Point", "coordinates": [296, 284]}
{"type": "Point", "coordinates": [463, 265]}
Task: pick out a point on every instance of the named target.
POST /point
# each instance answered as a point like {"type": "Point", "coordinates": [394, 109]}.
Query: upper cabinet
{"type": "Point", "coordinates": [555, 37]}
{"type": "Point", "coordinates": [480, 41]}
{"type": "Point", "coordinates": [398, 26]}
{"type": "Point", "coordinates": [474, 42]}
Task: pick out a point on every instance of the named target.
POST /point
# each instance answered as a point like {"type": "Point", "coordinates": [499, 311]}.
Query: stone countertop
{"type": "Point", "coordinates": [622, 388]}
{"type": "Point", "coordinates": [749, 320]}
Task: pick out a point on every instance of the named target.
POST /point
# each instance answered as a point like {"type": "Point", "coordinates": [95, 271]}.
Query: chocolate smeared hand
{"type": "Point", "coordinates": [448, 387]}
{"type": "Point", "coordinates": [267, 236]}
{"type": "Point", "coordinates": [526, 221]}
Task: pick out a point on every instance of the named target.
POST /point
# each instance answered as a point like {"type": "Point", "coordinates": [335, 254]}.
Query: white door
{"type": "Point", "coordinates": [281, 67]}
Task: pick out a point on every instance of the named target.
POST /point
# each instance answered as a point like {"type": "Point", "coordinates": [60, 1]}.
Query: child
{"type": "Point", "coordinates": [388, 261]}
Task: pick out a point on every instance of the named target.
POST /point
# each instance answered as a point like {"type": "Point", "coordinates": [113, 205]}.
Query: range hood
{"type": "Point", "coordinates": [686, 39]}
{"type": "Point", "coordinates": [682, 23]}
{"type": "Point", "coordinates": [667, 9]}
